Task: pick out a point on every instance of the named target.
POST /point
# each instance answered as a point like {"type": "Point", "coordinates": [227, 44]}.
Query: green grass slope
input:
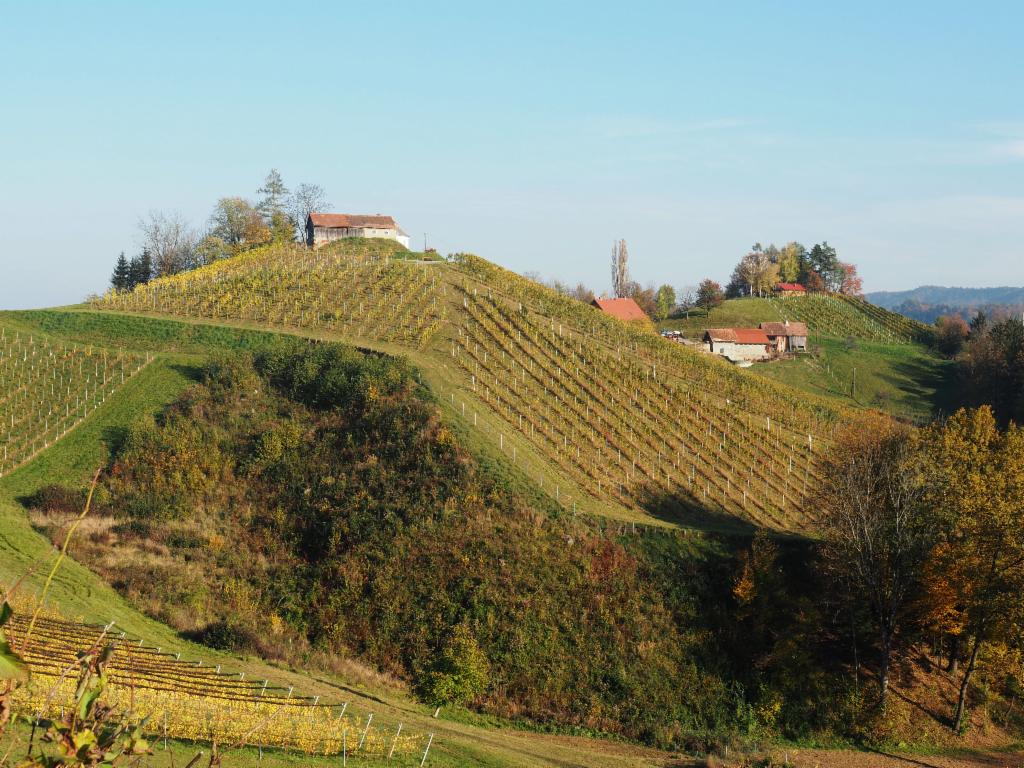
{"type": "Point", "coordinates": [906, 380]}
{"type": "Point", "coordinates": [827, 316]}
{"type": "Point", "coordinates": [895, 371]}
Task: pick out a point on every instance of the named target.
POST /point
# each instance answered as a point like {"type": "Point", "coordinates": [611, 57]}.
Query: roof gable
{"type": "Point", "coordinates": [784, 329]}
{"type": "Point", "coordinates": [790, 287]}
{"type": "Point", "coordinates": [737, 335]}
{"type": "Point", "coordinates": [623, 309]}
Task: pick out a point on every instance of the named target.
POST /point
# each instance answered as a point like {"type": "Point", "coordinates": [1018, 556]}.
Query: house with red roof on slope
{"type": "Point", "coordinates": [323, 228]}
{"type": "Point", "coordinates": [790, 289]}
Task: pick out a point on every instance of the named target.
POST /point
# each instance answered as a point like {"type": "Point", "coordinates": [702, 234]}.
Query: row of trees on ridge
{"type": "Point", "coordinates": [171, 245]}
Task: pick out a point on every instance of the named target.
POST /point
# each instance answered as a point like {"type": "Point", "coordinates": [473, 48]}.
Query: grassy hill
{"type": "Point", "coordinates": [606, 418]}
{"type": "Point", "coordinates": [860, 355]}
{"type": "Point", "coordinates": [831, 316]}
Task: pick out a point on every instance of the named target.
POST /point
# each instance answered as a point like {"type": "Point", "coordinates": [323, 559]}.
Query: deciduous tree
{"type": "Point", "coordinates": [876, 528]}
{"type": "Point", "coordinates": [236, 222]}
{"type": "Point", "coordinates": [461, 673]}
{"type": "Point", "coordinates": [975, 481]}
{"type": "Point", "coordinates": [665, 300]}
{"type": "Point", "coordinates": [709, 295]}
{"type": "Point", "coordinates": [951, 333]}
{"type": "Point", "coordinates": [620, 269]}
{"type": "Point", "coordinates": [307, 199]}
{"type": "Point", "coordinates": [850, 282]}
{"type": "Point", "coordinates": [791, 258]}
{"type": "Point", "coordinates": [170, 241]}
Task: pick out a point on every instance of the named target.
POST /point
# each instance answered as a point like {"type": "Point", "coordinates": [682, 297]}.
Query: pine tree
{"type": "Point", "coordinates": [119, 281]}
{"type": "Point", "coordinates": [140, 269]}
{"type": "Point", "coordinates": [274, 196]}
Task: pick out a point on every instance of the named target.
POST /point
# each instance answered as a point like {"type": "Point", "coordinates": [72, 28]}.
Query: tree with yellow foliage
{"type": "Point", "coordinates": [975, 482]}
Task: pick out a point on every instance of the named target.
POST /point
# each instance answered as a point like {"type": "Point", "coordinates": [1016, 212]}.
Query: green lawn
{"type": "Point", "coordinates": [905, 380]}
{"type": "Point", "coordinates": [741, 313]}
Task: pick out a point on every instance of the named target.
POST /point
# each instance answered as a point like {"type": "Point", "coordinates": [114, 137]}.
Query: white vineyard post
{"type": "Point", "coordinates": [425, 751]}
{"type": "Point", "coordinates": [366, 730]}
{"type": "Point", "coordinates": [395, 742]}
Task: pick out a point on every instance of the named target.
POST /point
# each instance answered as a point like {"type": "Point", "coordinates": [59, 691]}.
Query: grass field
{"type": "Point", "coordinates": [905, 380]}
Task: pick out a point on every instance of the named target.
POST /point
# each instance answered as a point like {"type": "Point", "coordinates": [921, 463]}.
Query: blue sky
{"type": "Point", "coordinates": [533, 134]}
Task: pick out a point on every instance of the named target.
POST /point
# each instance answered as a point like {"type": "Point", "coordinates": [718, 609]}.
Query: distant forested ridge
{"type": "Point", "coordinates": [929, 302]}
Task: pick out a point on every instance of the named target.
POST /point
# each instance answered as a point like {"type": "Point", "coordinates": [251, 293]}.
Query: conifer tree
{"type": "Point", "coordinates": [140, 269]}
{"type": "Point", "coordinates": [273, 196]}
{"type": "Point", "coordinates": [119, 281]}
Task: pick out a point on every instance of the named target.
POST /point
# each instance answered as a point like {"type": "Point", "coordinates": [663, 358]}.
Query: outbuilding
{"type": "Point", "coordinates": [323, 228]}
{"type": "Point", "coordinates": [786, 336]}
{"type": "Point", "coordinates": [790, 289]}
{"type": "Point", "coordinates": [738, 344]}
{"type": "Point", "coordinates": [626, 310]}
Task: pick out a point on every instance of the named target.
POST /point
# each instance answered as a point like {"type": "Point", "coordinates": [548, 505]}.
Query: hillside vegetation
{"type": "Point", "coordinates": [421, 521]}
{"type": "Point", "coordinates": [281, 508]}
{"type": "Point", "coordinates": [625, 420]}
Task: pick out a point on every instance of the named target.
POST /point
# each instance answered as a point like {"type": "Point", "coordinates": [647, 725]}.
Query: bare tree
{"type": "Point", "coordinates": [170, 240]}
{"type": "Point", "coordinates": [307, 199]}
{"type": "Point", "coordinates": [620, 270]}
{"type": "Point", "coordinates": [687, 297]}
{"type": "Point", "coordinates": [876, 527]}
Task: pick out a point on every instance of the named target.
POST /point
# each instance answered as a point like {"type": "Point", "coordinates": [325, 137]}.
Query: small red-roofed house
{"type": "Point", "coordinates": [790, 289]}
{"type": "Point", "coordinates": [323, 228]}
{"type": "Point", "coordinates": [738, 344]}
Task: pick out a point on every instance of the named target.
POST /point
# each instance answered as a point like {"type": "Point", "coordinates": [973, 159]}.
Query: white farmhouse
{"type": "Point", "coordinates": [738, 344]}
{"type": "Point", "coordinates": [322, 228]}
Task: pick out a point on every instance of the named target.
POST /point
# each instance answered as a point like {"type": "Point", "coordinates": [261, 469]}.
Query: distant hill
{"type": "Point", "coordinates": [929, 302]}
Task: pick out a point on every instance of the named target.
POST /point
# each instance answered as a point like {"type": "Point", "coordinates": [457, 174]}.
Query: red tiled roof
{"type": "Point", "coordinates": [784, 329]}
{"type": "Point", "coordinates": [790, 287]}
{"type": "Point", "coordinates": [738, 335]}
{"type": "Point", "coordinates": [623, 309]}
{"type": "Point", "coordinates": [341, 220]}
